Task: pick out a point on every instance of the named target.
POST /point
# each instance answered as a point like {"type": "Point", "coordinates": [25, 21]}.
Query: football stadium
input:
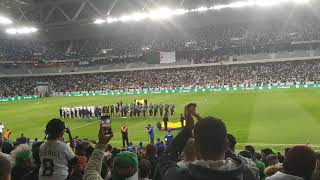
{"type": "Point", "coordinates": [159, 89]}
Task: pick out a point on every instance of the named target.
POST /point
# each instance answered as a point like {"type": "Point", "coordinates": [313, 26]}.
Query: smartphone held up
{"type": "Point", "coordinates": [106, 124]}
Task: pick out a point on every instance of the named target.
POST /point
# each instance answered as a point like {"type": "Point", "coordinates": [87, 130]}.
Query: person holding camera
{"type": "Point", "coordinates": [150, 131]}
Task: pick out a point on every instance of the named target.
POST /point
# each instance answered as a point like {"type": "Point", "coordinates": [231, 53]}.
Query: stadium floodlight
{"type": "Point", "coordinates": [202, 9]}
{"type": "Point", "coordinates": [112, 20]}
{"type": "Point", "coordinates": [180, 11]}
{"type": "Point", "coordinates": [4, 20]}
{"type": "Point", "coordinates": [21, 30]}
{"type": "Point", "coordinates": [99, 21]}
{"type": "Point", "coordinates": [162, 13]}
{"type": "Point", "coordinates": [165, 13]}
{"type": "Point", "coordinates": [11, 31]}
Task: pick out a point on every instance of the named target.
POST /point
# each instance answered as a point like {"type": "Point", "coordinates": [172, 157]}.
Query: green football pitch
{"type": "Point", "coordinates": [263, 118]}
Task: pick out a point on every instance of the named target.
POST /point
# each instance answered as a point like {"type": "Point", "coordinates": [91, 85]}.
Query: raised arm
{"type": "Point", "coordinates": [95, 162]}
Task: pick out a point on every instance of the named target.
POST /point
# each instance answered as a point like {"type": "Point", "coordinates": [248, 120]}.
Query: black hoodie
{"type": "Point", "coordinates": [168, 169]}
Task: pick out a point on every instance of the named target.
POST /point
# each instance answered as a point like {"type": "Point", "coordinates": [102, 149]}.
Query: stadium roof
{"type": "Point", "coordinates": [76, 17]}
{"type": "Point", "coordinates": [53, 13]}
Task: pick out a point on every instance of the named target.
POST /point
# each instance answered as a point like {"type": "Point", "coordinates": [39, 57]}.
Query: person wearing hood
{"type": "Point", "coordinates": [211, 163]}
{"type": "Point", "coordinates": [299, 164]}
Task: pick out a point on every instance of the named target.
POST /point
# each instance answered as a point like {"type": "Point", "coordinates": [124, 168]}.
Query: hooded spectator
{"type": "Point", "coordinates": [211, 163]}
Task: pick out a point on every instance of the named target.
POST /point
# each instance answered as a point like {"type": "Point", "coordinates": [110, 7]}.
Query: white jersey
{"type": "Point", "coordinates": [1, 128]}
{"type": "Point", "coordinates": [54, 156]}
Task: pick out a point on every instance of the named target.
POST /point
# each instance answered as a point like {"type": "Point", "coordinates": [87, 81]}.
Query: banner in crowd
{"type": "Point", "coordinates": [160, 57]}
{"type": "Point", "coordinates": [167, 57]}
{"type": "Point", "coordinates": [180, 90]}
{"type": "Point", "coordinates": [17, 98]}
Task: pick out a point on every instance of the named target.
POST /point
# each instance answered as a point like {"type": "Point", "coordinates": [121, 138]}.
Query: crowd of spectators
{"type": "Point", "coordinates": [208, 76]}
{"type": "Point", "coordinates": [210, 37]}
{"type": "Point", "coordinates": [189, 155]}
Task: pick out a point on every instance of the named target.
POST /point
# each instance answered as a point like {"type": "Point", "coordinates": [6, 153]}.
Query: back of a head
{"type": "Point", "coordinates": [252, 151]}
{"type": "Point", "coordinates": [300, 161]}
{"type": "Point", "coordinates": [232, 142]}
{"type": "Point", "coordinates": [272, 159]}
{"type": "Point", "coordinates": [210, 137]}
{"type": "Point", "coordinates": [55, 129]}
{"type": "Point", "coordinates": [35, 153]}
{"type": "Point", "coordinates": [21, 155]}
{"type": "Point", "coordinates": [246, 154]}
{"type": "Point", "coordinates": [124, 165]}
{"type": "Point", "coordinates": [144, 168]}
{"type": "Point", "coordinates": [151, 150]}
{"type": "Point", "coordinates": [5, 169]}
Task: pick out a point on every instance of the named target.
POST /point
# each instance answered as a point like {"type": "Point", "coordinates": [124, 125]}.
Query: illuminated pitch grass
{"type": "Point", "coordinates": [276, 118]}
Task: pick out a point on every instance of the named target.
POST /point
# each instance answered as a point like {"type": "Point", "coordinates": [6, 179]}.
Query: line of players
{"type": "Point", "coordinates": [120, 109]}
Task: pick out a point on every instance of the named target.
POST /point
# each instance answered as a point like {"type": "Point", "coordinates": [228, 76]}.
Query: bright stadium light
{"type": "Point", "coordinates": [21, 30]}
{"type": "Point", "coordinates": [99, 21]}
{"type": "Point", "coordinates": [4, 20]}
{"type": "Point", "coordinates": [165, 13]}
{"type": "Point", "coordinates": [11, 31]}
{"type": "Point", "coordinates": [112, 20]}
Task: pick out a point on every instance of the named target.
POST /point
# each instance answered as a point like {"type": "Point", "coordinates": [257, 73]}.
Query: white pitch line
{"type": "Point", "coordinates": [84, 125]}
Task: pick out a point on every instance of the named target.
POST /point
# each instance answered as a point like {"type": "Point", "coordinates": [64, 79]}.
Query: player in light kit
{"type": "Point", "coordinates": [54, 154]}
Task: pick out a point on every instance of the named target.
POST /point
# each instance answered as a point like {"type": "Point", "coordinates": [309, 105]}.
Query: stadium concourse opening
{"type": "Point", "coordinates": [162, 90]}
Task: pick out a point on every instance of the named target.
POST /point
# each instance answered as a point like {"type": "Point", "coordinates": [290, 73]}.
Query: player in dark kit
{"type": "Point", "coordinates": [165, 121]}
{"type": "Point", "coordinates": [150, 109]}
{"type": "Point", "coordinates": [112, 110]}
{"type": "Point", "coordinates": [166, 109]}
{"type": "Point", "coordinates": [172, 109]}
{"type": "Point", "coordinates": [155, 110]}
{"type": "Point", "coordinates": [144, 110]}
{"type": "Point", "coordinates": [76, 112]}
{"type": "Point", "coordinates": [161, 109]}
{"type": "Point", "coordinates": [117, 109]}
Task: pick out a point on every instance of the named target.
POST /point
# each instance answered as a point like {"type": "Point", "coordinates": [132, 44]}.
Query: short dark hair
{"type": "Point", "coordinates": [232, 142]}
{"type": "Point", "coordinates": [211, 135]}
{"type": "Point", "coordinates": [252, 150]}
{"type": "Point", "coordinates": [35, 153]}
{"type": "Point", "coordinates": [144, 168]}
{"type": "Point", "coordinates": [300, 161]}
{"type": "Point", "coordinates": [54, 128]}
{"type": "Point", "coordinates": [246, 154]}
{"type": "Point", "coordinates": [5, 169]}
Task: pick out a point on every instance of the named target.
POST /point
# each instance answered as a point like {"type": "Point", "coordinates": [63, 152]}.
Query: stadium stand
{"type": "Point", "coordinates": [249, 74]}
